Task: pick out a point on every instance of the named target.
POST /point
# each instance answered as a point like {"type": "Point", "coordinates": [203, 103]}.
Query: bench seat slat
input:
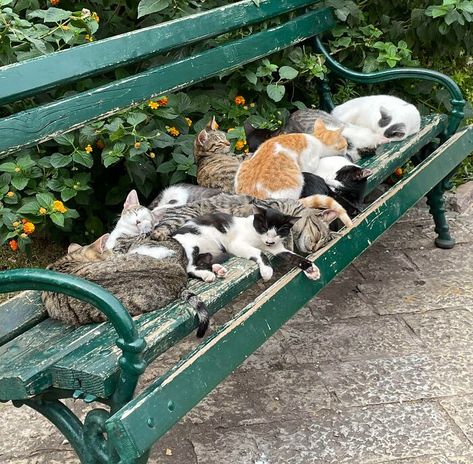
{"type": "Point", "coordinates": [47, 121]}
{"type": "Point", "coordinates": [169, 398]}
{"type": "Point", "coordinates": [29, 77]}
{"type": "Point", "coordinates": [19, 314]}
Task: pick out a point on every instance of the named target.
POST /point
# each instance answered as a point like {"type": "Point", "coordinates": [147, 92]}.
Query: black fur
{"type": "Point", "coordinates": [221, 221]}
{"type": "Point", "coordinates": [268, 218]}
{"type": "Point", "coordinates": [295, 260]}
{"type": "Point", "coordinates": [189, 229]}
{"type": "Point", "coordinates": [313, 185]}
{"type": "Point", "coordinates": [255, 137]}
{"type": "Point", "coordinates": [396, 130]}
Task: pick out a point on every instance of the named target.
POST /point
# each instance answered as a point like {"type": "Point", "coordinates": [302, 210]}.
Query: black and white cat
{"type": "Point", "coordinates": [385, 115]}
{"type": "Point", "coordinates": [245, 237]}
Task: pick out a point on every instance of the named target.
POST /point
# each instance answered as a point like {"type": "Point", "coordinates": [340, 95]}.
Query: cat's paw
{"type": "Point", "coordinates": [208, 276]}
{"type": "Point", "coordinates": [160, 235]}
{"type": "Point", "coordinates": [219, 270]}
{"type": "Point", "coordinates": [312, 272]}
{"type": "Point", "coordinates": [266, 272]}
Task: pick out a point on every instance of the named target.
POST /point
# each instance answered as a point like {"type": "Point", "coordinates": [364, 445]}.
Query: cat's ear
{"type": "Point", "coordinates": [100, 243]}
{"type": "Point", "coordinates": [338, 131]}
{"type": "Point", "coordinates": [363, 174]}
{"type": "Point", "coordinates": [212, 125]}
{"type": "Point", "coordinates": [385, 117]}
{"type": "Point", "coordinates": [319, 126]}
{"type": "Point", "coordinates": [259, 210]}
{"type": "Point", "coordinates": [202, 137]}
{"type": "Point", "coordinates": [158, 213]}
{"type": "Point", "coordinates": [131, 200]}
{"type": "Point", "coordinates": [329, 215]}
{"type": "Point", "coordinates": [73, 247]}
{"type": "Point", "coordinates": [291, 220]}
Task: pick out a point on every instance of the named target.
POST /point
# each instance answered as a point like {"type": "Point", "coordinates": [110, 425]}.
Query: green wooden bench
{"type": "Point", "coordinates": [43, 361]}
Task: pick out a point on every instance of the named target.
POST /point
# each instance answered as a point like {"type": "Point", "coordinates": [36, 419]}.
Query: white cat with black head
{"type": "Point", "coordinates": [389, 116]}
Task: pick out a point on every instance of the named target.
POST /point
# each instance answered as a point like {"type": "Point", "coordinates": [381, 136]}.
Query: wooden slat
{"type": "Point", "coordinates": [32, 76]}
{"type": "Point", "coordinates": [19, 314]}
{"type": "Point", "coordinates": [42, 123]}
{"type": "Point", "coordinates": [395, 154]}
{"type": "Point", "coordinates": [169, 398]}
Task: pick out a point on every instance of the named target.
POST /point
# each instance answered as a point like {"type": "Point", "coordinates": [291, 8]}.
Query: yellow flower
{"type": "Point", "coordinates": [252, 105]}
{"type": "Point", "coordinates": [245, 107]}
{"type": "Point", "coordinates": [10, 194]}
{"type": "Point", "coordinates": [88, 38]}
{"type": "Point", "coordinates": [137, 145]}
{"type": "Point", "coordinates": [17, 169]}
{"type": "Point", "coordinates": [16, 224]}
{"type": "Point", "coordinates": [230, 129]}
{"type": "Point", "coordinates": [153, 105]}
{"type": "Point", "coordinates": [23, 235]}
{"type": "Point", "coordinates": [59, 206]}
{"type": "Point", "coordinates": [152, 155]}
{"type": "Point", "coordinates": [64, 27]}
{"type": "Point", "coordinates": [89, 148]}
{"type": "Point", "coordinates": [29, 228]}
{"type": "Point", "coordinates": [173, 131]}
{"type": "Point", "coordinates": [95, 16]}
{"type": "Point", "coordinates": [247, 150]}
{"type": "Point", "coordinates": [189, 121]}
{"type": "Point", "coordinates": [239, 100]}
{"type": "Point", "coordinates": [240, 144]}
{"type": "Point", "coordinates": [42, 211]}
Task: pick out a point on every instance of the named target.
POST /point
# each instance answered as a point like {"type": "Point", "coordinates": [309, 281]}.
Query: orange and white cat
{"type": "Point", "coordinates": [275, 170]}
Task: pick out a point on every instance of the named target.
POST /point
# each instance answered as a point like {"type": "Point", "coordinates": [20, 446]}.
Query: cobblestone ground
{"type": "Point", "coordinates": [378, 369]}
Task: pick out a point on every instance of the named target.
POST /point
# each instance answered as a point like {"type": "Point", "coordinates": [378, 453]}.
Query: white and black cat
{"type": "Point", "coordinates": [387, 116]}
{"type": "Point", "coordinates": [245, 237]}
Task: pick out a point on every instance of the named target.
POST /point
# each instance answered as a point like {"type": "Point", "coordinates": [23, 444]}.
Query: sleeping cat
{"type": "Point", "coordinates": [385, 115]}
{"type": "Point", "coordinates": [140, 282]}
{"type": "Point", "coordinates": [245, 237]}
{"type": "Point", "coordinates": [178, 195]}
{"type": "Point", "coordinates": [308, 234]}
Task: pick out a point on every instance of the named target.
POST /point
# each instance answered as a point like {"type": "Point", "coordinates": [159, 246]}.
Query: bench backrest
{"type": "Point", "coordinates": [31, 77]}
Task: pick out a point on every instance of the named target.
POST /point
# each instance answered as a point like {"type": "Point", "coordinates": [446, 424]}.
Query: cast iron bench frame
{"type": "Point", "coordinates": [40, 377]}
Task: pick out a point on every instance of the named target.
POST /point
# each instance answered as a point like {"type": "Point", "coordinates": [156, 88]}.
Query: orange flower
{"type": "Point", "coordinates": [173, 131]}
{"type": "Point", "coordinates": [89, 148]}
{"type": "Point", "coordinates": [398, 172]}
{"type": "Point", "coordinates": [10, 194]}
{"type": "Point", "coordinates": [55, 2]}
{"type": "Point", "coordinates": [13, 245]}
{"type": "Point", "coordinates": [28, 228]}
{"type": "Point", "coordinates": [163, 101]}
{"type": "Point", "coordinates": [153, 105]}
{"type": "Point", "coordinates": [42, 211]}
{"type": "Point", "coordinates": [24, 221]}
{"type": "Point", "coordinates": [240, 144]}
{"type": "Point", "coordinates": [95, 16]}
{"type": "Point", "coordinates": [239, 100]}
{"type": "Point", "coordinates": [59, 206]}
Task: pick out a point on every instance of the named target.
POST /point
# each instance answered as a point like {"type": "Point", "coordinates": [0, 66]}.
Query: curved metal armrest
{"type": "Point", "coordinates": [456, 96]}
{"type": "Point", "coordinates": [130, 343]}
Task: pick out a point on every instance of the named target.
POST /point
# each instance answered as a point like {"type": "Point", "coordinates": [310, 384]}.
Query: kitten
{"type": "Point", "coordinates": [178, 195]}
{"type": "Point", "coordinates": [245, 237]}
{"type": "Point", "coordinates": [216, 165]}
{"type": "Point", "coordinates": [386, 115]}
{"type": "Point", "coordinates": [140, 282]}
{"type": "Point", "coordinates": [309, 233]}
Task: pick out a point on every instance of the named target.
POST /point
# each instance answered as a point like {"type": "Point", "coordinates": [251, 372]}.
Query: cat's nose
{"type": "Point", "coordinates": [269, 243]}
{"type": "Point", "coordinates": [138, 222]}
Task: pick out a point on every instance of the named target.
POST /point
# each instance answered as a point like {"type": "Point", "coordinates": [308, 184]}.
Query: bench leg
{"type": "Point", "coordinates": [436, 202]}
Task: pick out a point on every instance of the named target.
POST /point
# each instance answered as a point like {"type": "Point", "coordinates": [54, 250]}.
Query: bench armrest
{"type": "Point", "coordinates": [456, 97]}
{"type": "Point", "coordinates": [131, 344]}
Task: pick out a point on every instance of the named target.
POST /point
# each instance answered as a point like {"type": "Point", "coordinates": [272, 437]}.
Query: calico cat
{"type": "Point", "coordinates": [245, 237]}
{"type": "Point", "coordinates": [178, 195]}
{"type": "Point", "coordinates": [385, 115]}
{"type": "Point", "coordinates": [309, 233]}
{"type": "Point", "coordinates": [216, 165]}
{"type": "Point", "coordinates": [142, 283]}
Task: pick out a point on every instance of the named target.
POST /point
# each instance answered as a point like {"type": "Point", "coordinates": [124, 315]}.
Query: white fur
{"type": "Point", "coordinates": [154, 252]}
{"type": "Point", "coordinates": [176, 193]}
{"type": "Point", "coordinates": [328, 168]}
{"type": "Point", "coordinates": [366, 112]}
{"type": "Point", "coordinates": [139, 222]}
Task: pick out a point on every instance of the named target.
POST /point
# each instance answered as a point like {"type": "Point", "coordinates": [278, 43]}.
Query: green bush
{"type": "Point", "coordinates": [61, 186]}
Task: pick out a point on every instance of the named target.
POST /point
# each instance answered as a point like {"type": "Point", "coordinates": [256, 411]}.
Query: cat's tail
{"type": "Point", "coordinates": [200, 309]}
{"type": "Point", "coordinates": [326, 202]}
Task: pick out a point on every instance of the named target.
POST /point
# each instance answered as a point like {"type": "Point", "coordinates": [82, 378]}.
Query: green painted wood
{"type": "Point", "coordinates": [393, 155]}
{"type": "Point", "coordinates": [19, 314]}
{"type": "Point", "coordinates": [42, 123]}
{"type": "Point", "coordinates": [33, 76]}
{"type": "Point", "coordinates": [93, 365]}
{"type": "Point", "coordinates": [135, 428]}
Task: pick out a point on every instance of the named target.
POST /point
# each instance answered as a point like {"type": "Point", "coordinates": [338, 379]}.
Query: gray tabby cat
{"type": "Point", "coordinates": [308, 234]}
{"type": "Point", "coordinates": [142, 283]}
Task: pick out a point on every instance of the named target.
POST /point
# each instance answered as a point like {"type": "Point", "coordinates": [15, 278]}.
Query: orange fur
{"type": "Point", "coordinates": [329, 137]}
{"type": "Point", "coordinates": [325, 202]}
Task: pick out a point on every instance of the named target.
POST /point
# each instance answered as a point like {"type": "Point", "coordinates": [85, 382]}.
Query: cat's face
{"type": "Point", "coordinates": [90, 253]}
{"type": "Point", "coordinates": [331, 138]}
{"type": "Point", "coordinates": [136, 217]}
{"type": "Point", "coordinates": [272, 225]}
{"type": "Point", "coordinates": [212, 140]}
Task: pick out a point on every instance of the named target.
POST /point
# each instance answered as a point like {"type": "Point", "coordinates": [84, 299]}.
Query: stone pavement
{"type": "Point", "coordinates": [378, 369]}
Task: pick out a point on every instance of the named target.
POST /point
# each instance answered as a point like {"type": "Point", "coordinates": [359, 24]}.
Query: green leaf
{"type": "Point", "coordinates": [136, 118]}
{"type": "Point", "coordinates": [167, 166]}
{"type": "Point", "coordinates": [286, 72]}
{"type": "Point", "coordinates": [83, 158]}
{"type": "Point", "coordinates": [44, 162]}
{"type": "Point", "coordinates": [68, 193]}
{"type": "Point", "coordinates": [51, 15]}
{"type": "Point", "coordinates": [110, 158]}
{"type": "Point", "coordinates": [180, 158]}
{"type": "Point", "coordinates": [275, 92]}
{"type": "Point", "coordinates": [178, 176]}
{"type": "Point", "coordinates": [251, 77]}
{"type": "Point", "coordinates": [146, 7]}
{"type": "Point", "coordinates": [5, 2]}
{"type": "Point", "coordinates": [59, 161]}
{"type": "Point", "coordinates": [8, 167]}
{"type": "Point", "coordinates": [44, 200]}
{"type": "Point", "coordinates": [57, 218]}
{"type": "Point", "coordinates": [32, 207]}
{"type": "Point", "coordinates": [19, 182]}
{"type": "Point", "coordinates": [56, 185]}
{"type": "Point", "coordinates": [25, 162]}
{"type": "Point", "coordinates": [65, 139]}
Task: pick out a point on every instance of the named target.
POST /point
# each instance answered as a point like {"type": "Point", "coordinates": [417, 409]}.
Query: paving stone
{"type": "Point", "coordinates": [417, 460]}
{"type": "Point", "coordinates": [362, 436]}
{"type": "Point", "coordinates": [420, 295]}
{"type": "Point", "coordinates": [460, 410]}
{"type": "Point", "coordinates": [349, 339]}
{"type": "Point", "coordinates": [462, 198]}
{"type": "Point", "coordinates": [399, 379]}
{"type": "Point", "coordinates": [443, 329]}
